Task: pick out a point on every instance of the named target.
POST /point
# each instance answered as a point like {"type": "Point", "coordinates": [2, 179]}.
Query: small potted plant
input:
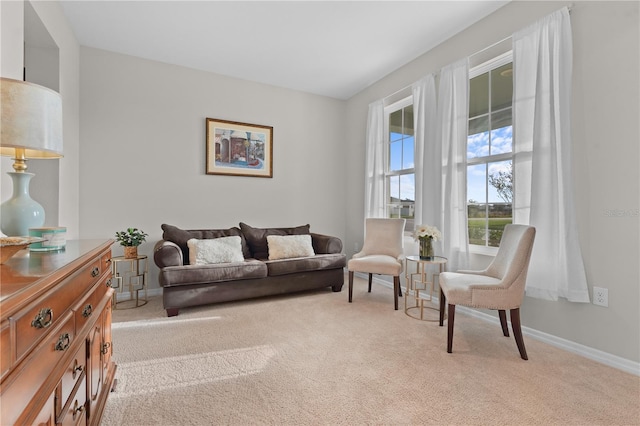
{"type": "Point", "coordinates": [130, 240]}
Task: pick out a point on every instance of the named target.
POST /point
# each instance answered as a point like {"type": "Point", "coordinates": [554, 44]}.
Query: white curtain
{"type": "Point", "coordinates": [374, 172]}
{"type": "Point", "coordinates": [453, 113]}
{"type": "Point", "coordinates": [428, 154]}
{"type": "Point", "coordinates": [542, 59]}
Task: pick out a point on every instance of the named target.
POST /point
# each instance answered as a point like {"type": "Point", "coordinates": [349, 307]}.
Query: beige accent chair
{"type": "Point", "coordinates": [382, 253]}
{"type": "Point", "coordinates": [500, 286]}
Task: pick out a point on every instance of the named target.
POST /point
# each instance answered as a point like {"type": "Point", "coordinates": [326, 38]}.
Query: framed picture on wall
{"type": "Point", "coordinates": [239, 149]}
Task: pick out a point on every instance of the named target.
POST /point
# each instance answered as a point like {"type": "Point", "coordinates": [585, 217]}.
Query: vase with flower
{"type": "Point", "coordinates": [426, 235]}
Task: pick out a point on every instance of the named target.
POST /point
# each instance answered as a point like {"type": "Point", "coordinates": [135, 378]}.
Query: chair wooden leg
{"type": "Point", "coordinates": [517, 332]}
{"type": "Point", "coordinates": [503, 322]}
{"type": "Point", "coordinates": [350, 285]}
{"type": "Point", "coordinates": [396, 288]}
{"type": "Point", "coordinates": [400, 290]}
{"type": "Point", "coordinates": [452, 313]}
{"type": "Point", "coordinates": [370, 280]}
{"type": "Point", "coordinates": [442, 305]}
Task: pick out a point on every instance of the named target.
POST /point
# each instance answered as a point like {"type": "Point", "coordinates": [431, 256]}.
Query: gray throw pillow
{"type": "Point", "coordinates": [257, 237]}
{"type": "Point", "coordinates": [181, 236]}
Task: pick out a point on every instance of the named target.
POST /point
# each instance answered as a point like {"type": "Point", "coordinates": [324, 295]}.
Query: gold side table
{"type": "Point", "coordinates": [420, 281]}
{"type": "Point", "coordinates": [132, 274]}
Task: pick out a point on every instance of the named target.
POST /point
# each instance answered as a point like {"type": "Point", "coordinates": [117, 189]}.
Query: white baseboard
{"type": "Point", "coordinates": [125, 295]}
{"type": "Point", "coordinates": [573, 347]}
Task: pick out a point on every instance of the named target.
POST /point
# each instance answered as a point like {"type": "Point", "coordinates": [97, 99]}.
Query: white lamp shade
{"type": "Point", "coordinates": [31, 120]}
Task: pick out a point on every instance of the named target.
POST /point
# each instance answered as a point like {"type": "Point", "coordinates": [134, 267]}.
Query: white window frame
{"type": "Point", "coordinates": [388, 110]}
{"type": "Point", "coordinates": [487, 66]}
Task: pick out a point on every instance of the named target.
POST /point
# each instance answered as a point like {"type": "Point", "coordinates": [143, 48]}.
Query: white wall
{"type": "Point", "coordinates": [139, 158]}
{"type": "Point", "coordinates": [11, 64]}
{"type": "Point", "coordinates": [64, 207]}
{"type": "Point", "coordinates": [143, 152]}
{"type": "Point", "coordinates": [605, 115]}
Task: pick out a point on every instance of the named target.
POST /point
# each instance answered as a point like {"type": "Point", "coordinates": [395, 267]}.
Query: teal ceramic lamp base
{"type": "Point", "coordinates": [20, 212]}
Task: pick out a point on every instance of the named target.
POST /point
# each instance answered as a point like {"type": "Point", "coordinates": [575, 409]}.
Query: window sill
{"type": "Point", "coordinates": [483, 250]}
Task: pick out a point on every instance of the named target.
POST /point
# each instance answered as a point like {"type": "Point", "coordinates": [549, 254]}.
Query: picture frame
{"type": "Point", "coordinates": [239, 149]}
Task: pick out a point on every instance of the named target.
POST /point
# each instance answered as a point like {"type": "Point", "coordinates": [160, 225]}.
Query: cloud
{"type": "Point", "coordinates": [478, 145]}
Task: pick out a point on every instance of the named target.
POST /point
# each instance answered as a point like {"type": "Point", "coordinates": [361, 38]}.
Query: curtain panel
{"type": "Point", "coordinates": [452, 129]}
{"type": "Point", "coordinates": [542, 64]}
{"type": "Point", "coordinates": [428, 168]}
{"type": "Point", "coordinates": [374, 202]}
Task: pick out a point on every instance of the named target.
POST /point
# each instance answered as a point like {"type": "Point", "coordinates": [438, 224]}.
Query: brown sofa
{"type": "Point", "coordinates": [187, 285]}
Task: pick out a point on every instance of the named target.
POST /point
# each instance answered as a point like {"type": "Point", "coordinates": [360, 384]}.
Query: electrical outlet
{"type": "Point", "coordinates": [601, 296]}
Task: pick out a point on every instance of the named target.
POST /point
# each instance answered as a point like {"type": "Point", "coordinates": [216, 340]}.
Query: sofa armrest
{"type": "Point", "coordinates": [167, 253]}
{"type": "Point", "coordinates": [326, 244]}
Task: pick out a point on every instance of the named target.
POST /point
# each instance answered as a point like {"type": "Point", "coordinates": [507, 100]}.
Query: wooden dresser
{"type": "Point", "coordinates": [55, 346]}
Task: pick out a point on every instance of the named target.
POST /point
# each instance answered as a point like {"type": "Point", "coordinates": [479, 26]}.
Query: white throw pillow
{"type": "Point", "coordinates": [215, 250]}
{"type": "Point", "coordinates": [286, 246]}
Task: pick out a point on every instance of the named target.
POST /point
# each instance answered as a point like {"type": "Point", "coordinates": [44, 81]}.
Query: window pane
{"type": "Point", "coordinates": [479, 95]}
{"type": "Point", "coordinates": [500, 178]}
{"type": "Point", "coordinates": [408, 188]}
{"type": "Point", "coordinates": [501, 119]}
{"type": "Point", "coordinates": [477, 224]}
{"type": "Point", "coordinates": [401, 185]}
{"type": "Point", "coordinates": [490, 184]}
{"type": "Point", "coordinates": [408, 120]}
{"type": "Point", "coordinates": [394, 189]}
{"type": "Point", "coordinates": [501, 140]}
{"type": "Point", "coordinates": [395, 136]}
{"type": "Point", "coordinates": [478, 145]}
{"type": "Point", "coordinates": [499, 217]}
{"type": "Point", "coordinates": [477, 183]}
{"type": "Point", "coordinates": [479, 125]}
{"type": "Point", "coordinates": [407, 153]}
{"type": "Point", "coordinates": [395, 125]}
{"type": "Point", "coordinates": [501, 87]}
{"type": "Point", "coordinates": [477, 204]}
{"type": "Point", "coordinates": [395, 155]}
{"type": "Point", "coordinates": [394, 196]}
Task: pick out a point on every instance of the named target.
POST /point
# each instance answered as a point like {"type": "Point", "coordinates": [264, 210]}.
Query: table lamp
{"type": "Point", "coordinates": [31, 127]}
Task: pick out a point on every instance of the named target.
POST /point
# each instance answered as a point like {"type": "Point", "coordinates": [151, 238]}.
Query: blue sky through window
{"type": "Point", "coordinates": [478, 146]}
{"type": "Point", "coordinates": [401, 156]}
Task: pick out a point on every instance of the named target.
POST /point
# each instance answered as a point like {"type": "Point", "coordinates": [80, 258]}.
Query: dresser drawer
{"type": "Point", "coordinates": [5, 348]}
{"type": "Point", "coordinates": [24, 383]}
{"type": "Point", "coordinates": [75, 371]}
{"type": "Point", "coordinates": [75, 412]}
{"type": "Point", "coordinates": [33, 323]}
{"type": "Point", "coordinates": [86, 310]}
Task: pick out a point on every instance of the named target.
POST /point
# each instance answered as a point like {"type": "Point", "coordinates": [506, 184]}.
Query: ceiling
{"type": "Point", "coordinates": [329, 48]}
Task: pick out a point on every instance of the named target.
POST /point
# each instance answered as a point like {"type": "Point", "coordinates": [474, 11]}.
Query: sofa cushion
{"type": "Point", "coordinates": [288, 246]}
{"type": "Point", "coordinates": [257, 237]}
{"type": "Point", "coordinates": [173, 276]}
{"type": "Point", "coordinates": [306, 264]}
{"type": "Point", "coordinates": [215, 250]}
{"type": "Point", "coordinates": [181, 236]}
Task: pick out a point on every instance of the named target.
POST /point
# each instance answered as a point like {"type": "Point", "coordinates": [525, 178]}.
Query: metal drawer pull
{"type": "Point", "coordinates": [76, 368]}
{"type": "Point", "coordinates": [63, 342]}
{"type": "Point", "coordinates": [108, 282]}
{"type": "Point", "coordinates": [105, 348]}
{"type": "Point", "coordinates": [43, 319]}
{"type": "Point", "coordinates": [87, 311]}
{"type": "Point", "coordinates": [77, 409]}
{"type": "Point", "coordinates": [95, 272]}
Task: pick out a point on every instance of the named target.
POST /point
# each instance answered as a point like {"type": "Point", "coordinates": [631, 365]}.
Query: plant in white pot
{"type": "Point", "coordinates": [130, 240]}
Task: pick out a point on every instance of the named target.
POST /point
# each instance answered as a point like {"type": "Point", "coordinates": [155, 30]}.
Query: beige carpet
{"type": "Point", "coordinates": [315, 359]}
